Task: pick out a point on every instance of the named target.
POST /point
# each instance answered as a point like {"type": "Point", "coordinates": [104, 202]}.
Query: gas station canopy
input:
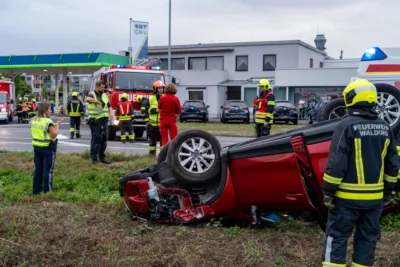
{"type": "Point", "coordinates": [67, 64]}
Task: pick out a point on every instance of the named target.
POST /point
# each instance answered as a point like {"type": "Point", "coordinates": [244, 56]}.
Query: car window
{"type": "Point", "coordinates": [235, 103]}
{"type": "Point", "coordinates": [284, 104]}
{"type": "Point", "coordinates": [193, 103]}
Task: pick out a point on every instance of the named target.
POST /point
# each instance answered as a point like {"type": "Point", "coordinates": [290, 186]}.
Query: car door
{"type": "Point", "coordinates": [266, 174]}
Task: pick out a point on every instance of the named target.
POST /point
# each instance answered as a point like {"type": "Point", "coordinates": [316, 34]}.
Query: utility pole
{"type": "Point", "coordinates": [169, 41]}
{"type": "Point", "coordinates": [130, 41]}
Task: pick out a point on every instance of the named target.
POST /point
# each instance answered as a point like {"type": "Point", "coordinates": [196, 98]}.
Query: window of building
{"type": "Point", "coordinates": [311, 63]}
{"type": "Point", "coordinates": [321, 65]}
{"type": "Point", "coordinates": [196, 94]}
{"type": "Point", "coordinates": [250, 94]}
{"type": "Point", "coordinates": [206, 63]}
{"type": "Point", "coordinates": [242, 63]}
{"type": "Point", "coordinates": [176, 63]}
{"type": "Point", "coordinates": [269, 62]}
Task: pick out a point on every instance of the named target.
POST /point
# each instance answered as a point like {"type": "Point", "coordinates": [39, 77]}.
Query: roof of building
{"type": "Point", "coordinates": [79, 63]}
{"type": "Point", "coordinates": [201, 46]}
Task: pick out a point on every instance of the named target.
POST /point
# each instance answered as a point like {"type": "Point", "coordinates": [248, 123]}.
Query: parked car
{"type": "Point", "coordinates": [195, 180]}
{"type": "Point", "coordinates": [285, 111]}
{"type": "Point", "coordinates": [194, 110]}
{"type": "Point", "coordinates": [235, 110]}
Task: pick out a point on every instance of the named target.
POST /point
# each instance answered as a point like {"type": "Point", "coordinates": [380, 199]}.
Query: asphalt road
{"type": "Point", "coordinates": [16, 137]}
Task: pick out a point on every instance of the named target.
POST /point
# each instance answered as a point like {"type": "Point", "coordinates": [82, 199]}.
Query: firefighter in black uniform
{"type": "Point", "coordinates": [144, 109]}
{"type": "Point", "coordinates": [124, 112]}
{"type": "Point", "coordinates": [359, 178]}
{"type": "Point", "coordinates": [397, 187]}
{"type": "Point", "coordinates": [19, 110]}
{"type": "Point", "coordinates": [75, 110]}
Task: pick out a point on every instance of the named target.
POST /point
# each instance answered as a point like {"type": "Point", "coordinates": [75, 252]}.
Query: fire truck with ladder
{"type": "Point", "coordinates": [135, 80]}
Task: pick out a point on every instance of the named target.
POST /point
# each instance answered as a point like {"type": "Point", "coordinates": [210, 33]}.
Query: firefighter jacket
{"type": "Point", "coordinates": [363, 164]}
{"type": "Point", "coordinates": [97, 111]}
{"type": "Point", "coordinates": [144, 109]}
{"type": "Point", "coordinates": [124, 110]}
{"type": "Point", "coordinates": [154, 116]}
{"type": "Point", "coordinates": [19, 107]}
{"type": "Point", "coordinates": [75, 107]}
{"type": "Point", "coordinates": [397, 187]}
{"type": "Point", "coordinates": [265, 107]}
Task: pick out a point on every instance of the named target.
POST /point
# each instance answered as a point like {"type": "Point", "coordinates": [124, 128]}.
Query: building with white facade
{"type": "Point", "coordinates": [218, 72]}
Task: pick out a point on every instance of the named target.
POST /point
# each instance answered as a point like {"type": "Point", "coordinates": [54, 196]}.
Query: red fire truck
{"type": "Point", "coordinates": [135, 80]}
{"type": "Point", "coordinates": [7, 98]}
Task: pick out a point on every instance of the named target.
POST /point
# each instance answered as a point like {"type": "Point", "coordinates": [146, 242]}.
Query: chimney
{"type": "Point", "coordinates": [341, 54]}
{"type": "Point", "coordinates": [320, 42]}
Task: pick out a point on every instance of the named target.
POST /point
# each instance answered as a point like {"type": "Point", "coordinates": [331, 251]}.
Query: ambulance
{"type": "Point", "coordinates": [381, 66]}
{"type": "Point", "coordinates": [135, 80]}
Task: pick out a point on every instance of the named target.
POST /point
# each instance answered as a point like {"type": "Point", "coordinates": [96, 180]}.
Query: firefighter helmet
{"type": "Point", "coordinates": [158, 84]}
{"type": "Point", "coordinates": [124, 96]}
{"type": "Point", "coordinates": [265, 84]}
{"type": "Point", "coordinates": [33, 100]}
{"type": "Point", "coordinates": [139, 98]}
{"type": "Point", "coordinates": [75, 94]}
{"type": "Point", "coordinates": [360, 92]}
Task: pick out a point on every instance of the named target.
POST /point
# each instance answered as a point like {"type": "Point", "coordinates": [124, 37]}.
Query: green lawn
{"type": "Point", "coordinates": [244, 130]}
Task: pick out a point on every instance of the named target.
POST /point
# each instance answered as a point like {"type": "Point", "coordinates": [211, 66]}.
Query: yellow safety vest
{"type": "Point", "coordinates": [39, 131]}
{"type": "Point", "coordinates": [95, 110]}
{"type": "Point", "coordinates": [75, 113]}
{"type": "Point", "coordinates": [154, 118]}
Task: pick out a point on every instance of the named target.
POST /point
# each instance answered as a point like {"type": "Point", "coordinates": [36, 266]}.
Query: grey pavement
{"type": "Point", "coordinates": [16, 137]}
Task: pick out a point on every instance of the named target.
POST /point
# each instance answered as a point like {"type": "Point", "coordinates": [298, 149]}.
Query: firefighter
{"type": "Point", "coordinates": [255, 108]}
{"type": "Point", "coordinates": [265, 109]}
{"type": "Point", "coordinates": [99, 110]}
{"type": "Point", "coordinates": [124, 112]}
{"type": "Point", "coordinates": [25, 110]}
{"type": "Point", "coordinates": [19, 110]}
{"type": "Point", "coordinates": [397, 187]}
{"type": "Point", "coordinates": [32, 108]}
{"type": "Point", "coordinates": [154, 116]}
{"type": "Point", "coordinates": [75, 110]}
{"type": "Point", "coordinates": [359, 178]}
{"type": "Point", "coordinates": [144, 109]}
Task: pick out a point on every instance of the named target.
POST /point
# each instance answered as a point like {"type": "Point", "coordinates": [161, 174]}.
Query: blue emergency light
{"type": "Point", "coordinates": [121, 66]}
{"type": "Point", "coordinates": [155, 67]}
{"type": "Point", "coordinates": [373, 53]}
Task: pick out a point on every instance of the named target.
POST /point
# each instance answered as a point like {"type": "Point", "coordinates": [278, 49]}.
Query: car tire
{"type": "Point", "coordinates": [162, 156]}
{"type": "Point", "coordinates": [182, 167]}
{"type": "Point", "coordinates": [325, 113]}
{"type": "Point", "coordinates": [295, 122]}
{"type": "Point", "coordinates": [182, 120]}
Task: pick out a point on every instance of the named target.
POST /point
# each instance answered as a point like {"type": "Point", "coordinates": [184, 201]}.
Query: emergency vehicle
{"type": "Point", "coordinates": [381, 66]}
{"type": "Point", "coordinates": [7, 98]}
{"type": "Point", "coordinates": [135, 80]}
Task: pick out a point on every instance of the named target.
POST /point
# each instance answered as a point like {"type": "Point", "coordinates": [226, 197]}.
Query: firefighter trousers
{"type": "Point", "coordinates": [168, 130]}
{"type": "Point", "coordinates": [154, 137]}
{"type": "Point", "coordinates": [25, 117]}
{"type": "Point", "coordinates": [340, 225]}
{"type": "Point", "coordinates": [126, 126]}
{"type": "Point", "coordinates": [262, 130]}
{"type": "Point", "coordinates": [75, 126]}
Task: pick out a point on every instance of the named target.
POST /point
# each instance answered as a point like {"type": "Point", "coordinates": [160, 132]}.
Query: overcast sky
{"type": "Point", "coordinates": [69, 26]}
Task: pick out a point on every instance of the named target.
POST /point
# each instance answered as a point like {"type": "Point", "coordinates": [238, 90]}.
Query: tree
{"type": "Point", "coordinates": [43, 92]}
{"type": "Point", "coordinates": [21, 86]}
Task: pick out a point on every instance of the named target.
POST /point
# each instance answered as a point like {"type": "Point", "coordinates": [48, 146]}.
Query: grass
{"type": "Point", "coordinates": [83, 223]}
{"type": "Point", "coordinates": [231, 129]}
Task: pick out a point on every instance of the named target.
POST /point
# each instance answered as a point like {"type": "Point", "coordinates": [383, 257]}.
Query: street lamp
{"type": "Point", "coordinates": [169, 40]}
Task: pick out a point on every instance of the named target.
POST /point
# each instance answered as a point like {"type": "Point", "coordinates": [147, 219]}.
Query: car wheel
{"type": "Point", "coordinates": [332, 110]}
{"type": "Point", "coordinates": [247, 121]}
{"type": "Point", "coordinates": [295, 122]}
{"type": "Point", "coordinates": [194, 157]}
{"type": "Point", "coordinates": [223, 120]}
{"type": "Point", "coordinates": [162, 156]}
{"type": "Point", "coordinates": [182, 120]}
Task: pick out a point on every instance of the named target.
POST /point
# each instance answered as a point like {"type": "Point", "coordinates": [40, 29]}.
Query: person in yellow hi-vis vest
{"type": "Point", "coordinates": [75, 112]}
{"type": "Point", "coordinates": [44, 133]}
{"type": "Point", "coordinates": [154, 116]}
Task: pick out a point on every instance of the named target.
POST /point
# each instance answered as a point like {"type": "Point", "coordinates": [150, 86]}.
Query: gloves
{"type": "Point", "coordinates": [389, 200]}
{"type": "Point", "coordinates": [328, 201]}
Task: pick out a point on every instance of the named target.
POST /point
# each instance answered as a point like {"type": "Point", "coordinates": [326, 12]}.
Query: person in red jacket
{"type": "Point", "coordinates": [169, 107]}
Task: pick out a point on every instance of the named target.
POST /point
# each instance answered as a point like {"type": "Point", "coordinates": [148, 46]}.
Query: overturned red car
{"type": "Point", "coordinates": [195, 180]}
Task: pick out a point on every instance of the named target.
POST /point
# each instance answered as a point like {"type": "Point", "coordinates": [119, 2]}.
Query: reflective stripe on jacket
{"type": "Point", "coordinates": [97, 111]}
{"type": "Point", "coordinates": [265, 108]}
{"type": "Point", "coordinates": [363, 162]}
{"type": "Point", "coordinates": [39, 131]}
{"type": "Point", "coordinates": [124, 111]}
{"type": "Point", "coordinates": [75, 109]}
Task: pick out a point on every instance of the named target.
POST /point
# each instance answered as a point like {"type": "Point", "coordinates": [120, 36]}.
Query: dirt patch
{"type": "Point", "coordinates": [50, 233]}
